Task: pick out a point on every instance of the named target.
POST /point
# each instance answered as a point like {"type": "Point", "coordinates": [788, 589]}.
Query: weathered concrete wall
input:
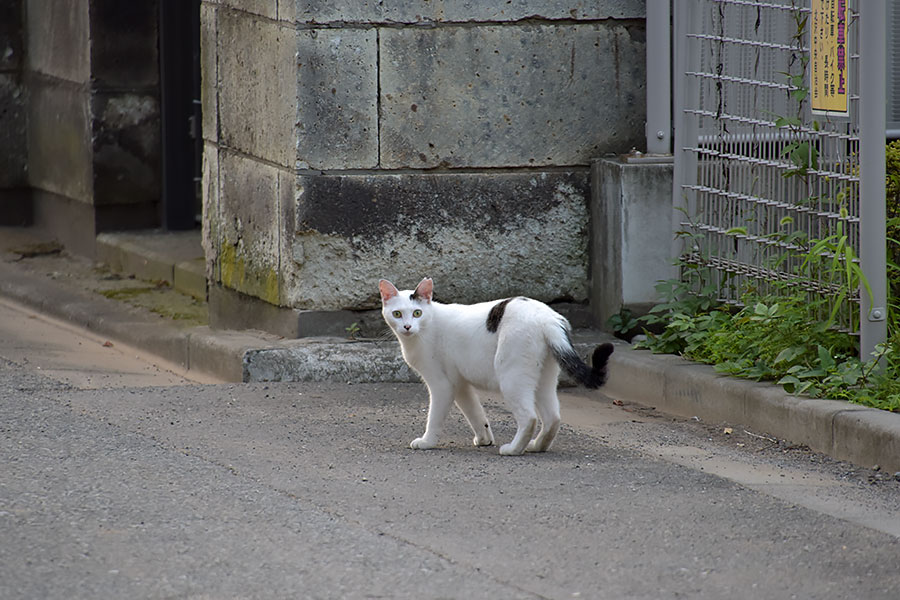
{"type": "Point", "coordinates": [351, 140]}
{"type": "Point", "coordinates": [631, 217]}
{"type": "Point", "coordinates": [479, 237]}
{"type": "Point", "coordinates": [462, 11]}
{"type": "Point", "coordinates": [249, 94]}
{"type": "Point", "coordinates": [509, 96]}
{"type": "Point", "coordinates": [58, 73]}
{"type": "Point", "coordinates": [337, 78]}
{"type": "Point", "coordinates": [58, 149]}
{"type": "Point", "coordinates": [86, 132]}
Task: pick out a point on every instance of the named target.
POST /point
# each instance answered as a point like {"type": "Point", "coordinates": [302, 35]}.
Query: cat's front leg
{"type": "Point", "coordinates": [472, 410]}
{"type": "Point", "coordinates": [440, 397]}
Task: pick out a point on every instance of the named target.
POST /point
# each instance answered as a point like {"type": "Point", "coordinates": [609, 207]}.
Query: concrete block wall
{"type": "Point", "coordinates": [248, 91]}
{"type": "Point", "coordinates": [59, 153]}
{"type": "Point", "coordinates": [632, 234]}
{"type": "Point", "coordinates": [350, 140]}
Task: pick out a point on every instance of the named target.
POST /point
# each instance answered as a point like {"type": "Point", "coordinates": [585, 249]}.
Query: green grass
{"type": "Point", "coordinates": [161, 300]}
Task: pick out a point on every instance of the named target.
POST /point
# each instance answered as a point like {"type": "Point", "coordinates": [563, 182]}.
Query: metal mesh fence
{"type": "Point", "coordinates": [762, 178]}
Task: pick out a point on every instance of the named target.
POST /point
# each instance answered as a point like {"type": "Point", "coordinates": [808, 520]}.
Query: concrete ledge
{"type": "Point", "coordinates": [867, 437]}
{"type": "Point", "coordinates": [180, 345]}
{"type": "Point", "coordinates": [174, 257]}
{"type": "Point", "coordinates": [222, 353]}
{"type": "Point", "coordinates": [189, 277]}
{"type": "Point", "coordinates": [637, 374]}
{"type": "Point", "coordinates": [124, 256]}
{"type": "Point", "coordinates": [341, 361]}
{"type": "Point", "coordinates": [232, 309]}
{"type": "Point", "coordinates": [779, 411]}
{"type": "Point", "coordinates": [329, 360]}
{"type": "Point", "coordinates": [170, 343]}
{"type": "Point", "coordinates": [861, 435]}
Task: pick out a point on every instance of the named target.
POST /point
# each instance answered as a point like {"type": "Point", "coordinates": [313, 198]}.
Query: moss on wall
{"type": "Point", "coordinates": [243, 276]}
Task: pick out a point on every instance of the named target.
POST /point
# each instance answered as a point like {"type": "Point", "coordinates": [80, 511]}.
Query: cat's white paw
{"type": "Point", "coordinates": [510, 450]}
{"type": "Point", "coordinates": [485, 439]}
{"type": "Point", "coordinates": [536, 446]}
{"type": "Point", "coordinates": [422, 443]}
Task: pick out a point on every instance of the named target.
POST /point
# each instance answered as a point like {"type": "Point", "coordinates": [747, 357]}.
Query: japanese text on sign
{"type": "Point", "coordinates": [829, 72]}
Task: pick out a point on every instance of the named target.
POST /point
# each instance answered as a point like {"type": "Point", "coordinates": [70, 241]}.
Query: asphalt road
{"type": "Point", "coordinates": [172, 489]}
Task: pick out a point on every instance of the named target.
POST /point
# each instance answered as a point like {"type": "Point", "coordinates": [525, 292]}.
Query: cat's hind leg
{"type": "Point", "coordinates": [440, 397]}
{"type": "Point", "coordinates": [519, 396]}
{"type": "Point", "coordinates": [547, 407]}
{"type": "Point", "coordinates": [514, 365]}
{"type": "Point", "coordinates": [472, 410]}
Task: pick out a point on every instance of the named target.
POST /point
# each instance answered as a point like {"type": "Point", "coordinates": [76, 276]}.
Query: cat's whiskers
{"type": "Point", "coordinates": [384, 335]}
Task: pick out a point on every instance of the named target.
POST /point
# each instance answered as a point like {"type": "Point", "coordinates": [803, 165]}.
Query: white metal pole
{"type": "Point", "coordinates": [872, 252]}
{"type": "Point", "coordinates": [659, 77]}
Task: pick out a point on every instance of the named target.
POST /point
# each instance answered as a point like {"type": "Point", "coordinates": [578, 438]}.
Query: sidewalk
{"type": "Point", "coordinates": [169, 321]}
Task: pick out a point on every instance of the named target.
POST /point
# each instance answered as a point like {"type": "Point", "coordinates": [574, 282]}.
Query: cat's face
{"type": "Point", "coordinates": [406, 312]}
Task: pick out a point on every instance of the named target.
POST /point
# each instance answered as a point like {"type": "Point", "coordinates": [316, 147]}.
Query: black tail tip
{"type": "Point", "coordinates": [599, 358]}
{"type": "Point", "coordinates": [601, 355]}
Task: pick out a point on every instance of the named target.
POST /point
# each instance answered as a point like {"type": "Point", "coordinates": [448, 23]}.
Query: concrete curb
{"type": "Point", "coordinates": [329, 359]}
{"type": "Point", "coordinates": [124, 255]}
{"type": "Point", "coordinates": [343, 361]}
{"type": "Point", "coordinates": [199, 349]}
{"type": "Point", "coordinates": [861, 435]}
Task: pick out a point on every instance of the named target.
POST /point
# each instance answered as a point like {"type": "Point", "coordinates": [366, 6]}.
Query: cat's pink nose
{"type": "Point", "coordinates": [407, 327]}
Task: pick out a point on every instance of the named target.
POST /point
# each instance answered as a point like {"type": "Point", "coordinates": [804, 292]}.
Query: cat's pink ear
{"type": "Point", "coordinates": [424, 290]}
{"type": "Point", "coordinates": [387, 289]}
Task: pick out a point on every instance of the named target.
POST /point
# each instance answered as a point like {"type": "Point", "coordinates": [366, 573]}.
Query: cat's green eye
{"type": "Point", "coordinates": [417, 313]}
{"type": "Point", "coordinates": [397, 314]}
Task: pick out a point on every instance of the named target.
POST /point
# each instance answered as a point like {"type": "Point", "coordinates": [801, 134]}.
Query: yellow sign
{"type": "Point", "coordinates": [829, 58]}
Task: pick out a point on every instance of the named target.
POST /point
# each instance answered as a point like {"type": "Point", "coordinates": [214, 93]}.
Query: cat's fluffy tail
{"type": "Point", "coordinates": [592, 376]}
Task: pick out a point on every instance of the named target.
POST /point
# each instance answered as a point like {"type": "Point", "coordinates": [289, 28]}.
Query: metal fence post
{"type": "Point", "coordinates": [659, 77]}
{"type": "Point", "coordinates": [872, 93]}
{"type": "Point", "coordinates": [686, 93]}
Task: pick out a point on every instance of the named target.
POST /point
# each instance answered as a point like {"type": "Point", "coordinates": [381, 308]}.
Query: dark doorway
{"type": "Point", "coordinates": [182, 146]}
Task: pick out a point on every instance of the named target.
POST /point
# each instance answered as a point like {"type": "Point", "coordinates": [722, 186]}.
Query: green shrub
{"type": "Point", "coordinates": [892, 203]}
{"type": "Point", "coordinates": [783, 338]}
{"type": "Point", "coordinates": [780, 339]}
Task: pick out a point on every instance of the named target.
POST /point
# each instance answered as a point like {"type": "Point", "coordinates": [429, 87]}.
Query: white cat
{"type": "Point", "coordinates": [514, 346]}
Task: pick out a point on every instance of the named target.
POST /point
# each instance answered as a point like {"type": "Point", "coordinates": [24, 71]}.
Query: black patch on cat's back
{"type": "Point", "coordinates": [496, 315]}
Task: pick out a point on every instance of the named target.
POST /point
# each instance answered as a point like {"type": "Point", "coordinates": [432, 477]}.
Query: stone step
{"type": "Point", "coordinates": [175, 257]}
